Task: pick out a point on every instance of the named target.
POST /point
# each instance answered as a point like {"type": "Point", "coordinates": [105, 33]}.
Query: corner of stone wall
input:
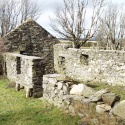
{"type": "Point", "coordinates": [60, 52]}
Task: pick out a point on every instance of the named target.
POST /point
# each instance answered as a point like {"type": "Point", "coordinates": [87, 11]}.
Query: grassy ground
{"type": "Point", "coordinates": [15, 109]}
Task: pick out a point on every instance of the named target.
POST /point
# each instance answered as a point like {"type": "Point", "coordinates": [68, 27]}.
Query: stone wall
{"type": "Point", "coordinates": [25, 70]}
{"type": "Point", "coordinates": [55, 88]}
{"type": "Point", "coordinates": [97, 107]}
{"type": "Point", "coordinates": [33, 40]}
{"type": "Point", "coordinates": [90, 65]}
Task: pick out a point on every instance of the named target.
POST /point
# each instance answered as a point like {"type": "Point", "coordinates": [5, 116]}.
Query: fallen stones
{"type": "Point", "coordinates": [119, 109]}
{"type": "Point", "coordinates": [110, 98]}
{"type": "Point", "coordinates": [82, 90]}
{"type": "Point", "coordinates": [81, 99]}
{"type": "Point", "coordinates": [102, 108]}
{"type": "Point", "coordinates": [98, 95]}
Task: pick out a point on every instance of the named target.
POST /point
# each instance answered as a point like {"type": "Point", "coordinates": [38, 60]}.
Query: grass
{"type": "Point", "coordinates": [16, 109]}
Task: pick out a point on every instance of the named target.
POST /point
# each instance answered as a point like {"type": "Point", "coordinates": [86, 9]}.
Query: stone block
{"type": "Point", "coordinates": [119, 109]}
{"type": "Point", "coordinates": [82, 89]}
{"type": "Point", "coordinates": [102, 108]}
{"type": "Point", "coordinates": [98, 95]}
{"type": "Point", "coordinates": [60, 85]}
{"type": "Point", "coordinates": [110, 98]}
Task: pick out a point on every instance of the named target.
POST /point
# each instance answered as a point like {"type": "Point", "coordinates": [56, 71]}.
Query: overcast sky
{"type": "Point", "coordinates": [47, 7]}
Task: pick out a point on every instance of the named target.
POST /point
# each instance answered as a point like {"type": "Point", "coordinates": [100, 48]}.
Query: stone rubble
{"type": "Point", "coordinates": [70, 96]}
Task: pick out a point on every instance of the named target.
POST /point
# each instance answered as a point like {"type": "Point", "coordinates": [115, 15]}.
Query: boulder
{"type": "Point", "coordinates": [102, 108]}
{"type": "Point", "coordinates": [110, 98]}
{"type": "Point", "coordinates": [98, 95]}
{"type": "Point", "coordinates": [82, 90]}
{"type": "Point", "coordinates": [119, 109]}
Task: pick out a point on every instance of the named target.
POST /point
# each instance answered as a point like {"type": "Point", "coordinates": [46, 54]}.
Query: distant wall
{"type": "Point", "coordinates": [90, 65]}
{"type": "Point", "coordinates": [25, 70]}
{"type": "Point", "coordinates": [33, 40]}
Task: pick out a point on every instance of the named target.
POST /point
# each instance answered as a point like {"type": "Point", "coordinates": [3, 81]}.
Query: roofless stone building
{"type": "Point", "coordinates": [30, 55]}
{"type": "Point", "coordinates": [31, 39]}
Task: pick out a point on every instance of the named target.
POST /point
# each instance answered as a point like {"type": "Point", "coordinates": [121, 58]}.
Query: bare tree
{"type": "Point", "coordinates": [29, 9]}
{"type": "Point", "coordinates": [71, 20]}
{"type": "Point", "coordinates": [13, 12]}
{"type": "Point", "coordinates": [113, 25]}
{"type": "Point", "coordinates": [8, 15]}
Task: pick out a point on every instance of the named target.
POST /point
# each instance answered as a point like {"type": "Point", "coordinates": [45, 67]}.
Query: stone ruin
{"type": "Point", "coordinates": [25, 71]}
{"type": "Point", "coordinates": [31, 39]}
{"type": "Point", "coordinates": [79, 99]}
{"type": "Point", "coordinates": [29, 56]}
{"type": "Point", "coordinates": [31, 62]}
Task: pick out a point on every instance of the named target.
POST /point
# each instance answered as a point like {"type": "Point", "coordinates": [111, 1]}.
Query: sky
{"type": "Point", "coordinates": [48, 7]}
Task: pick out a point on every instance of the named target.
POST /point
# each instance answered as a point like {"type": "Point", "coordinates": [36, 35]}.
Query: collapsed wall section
{"type": "Point", "coordinates": [25, 70]}
{"type": "Point", "coordinates": [88, 65]}
{"type": "Point", "coordinates": [79, 99]}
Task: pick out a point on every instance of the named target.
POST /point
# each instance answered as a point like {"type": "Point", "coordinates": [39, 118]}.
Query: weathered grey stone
{"type": "Point", "coordinates": [102, 108]}
{"type": "Point", "coordinates": [71, 109]}
{"type": "Point", "coordinates": [98, 95]}
{"type": "Point", "coordinates": [82, 89]}
{"type": "Point", "coordinates": [56, 91]}
{"type": "Point", "coordinates": [110, 98]}
{"type": "Point", "coordinates": [78, 98]}
{"type": "Point", "coordinates": [68, 99]}
{"type": "Point", "coordinates": [60, 85]}
{"type": "Point", "coordinates": [84, 101]}
{"type": "Point", "coordinates": [65, 90]}
{"type": "Point", "coordinates": [45, 80]}
{"type": "Point", "coordinates": [119, 109]}
{"type": "Point", "coordinates": [52, 81]}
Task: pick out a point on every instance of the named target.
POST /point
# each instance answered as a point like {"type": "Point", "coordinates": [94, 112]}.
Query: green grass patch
{"type": "Point", "coordinates": [16, 109]}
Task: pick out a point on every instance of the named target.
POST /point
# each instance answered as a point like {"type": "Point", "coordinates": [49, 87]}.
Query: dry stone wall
{"type": "Point", "coordinates": [97, 106]}
{"type": "Point", "coordinates": [25, 70]}
{"type": "Point", "coordinates": [79, 99]}
{"type": "Point", "coordinates": [31, 39]}
{"type": "Point", "coordinates": [55, 88]}
{"type": "Point", "coordinates": [87, 65]}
